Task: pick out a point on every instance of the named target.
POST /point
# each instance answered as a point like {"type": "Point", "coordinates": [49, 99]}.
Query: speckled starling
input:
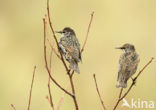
{"type": "Point", "coordinates": [70, 48]}
{"type": "Point", "coordinates": [128, 64]}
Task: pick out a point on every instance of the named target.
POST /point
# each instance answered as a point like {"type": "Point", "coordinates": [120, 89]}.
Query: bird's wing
{"type": "Point", "coordinates": [72, 46]}
{"type": "Point", "coordinates": [134, 60]}
{"type": "Point", "coordinates": [128, 65]}
{"type": "Point", "coordinates": [76, 54]}
{"type": "Point", "coordinates": [122, 66]}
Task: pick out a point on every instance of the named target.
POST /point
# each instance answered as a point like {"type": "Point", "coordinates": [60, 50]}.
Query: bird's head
{"type": "Point", "coordinates": [67, 31]}
{"type": "Point", "coordinates": [127, 47]}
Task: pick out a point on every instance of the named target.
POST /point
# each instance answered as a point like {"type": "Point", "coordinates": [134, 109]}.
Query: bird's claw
{"type": "Point", "coordinates": [133, 81]}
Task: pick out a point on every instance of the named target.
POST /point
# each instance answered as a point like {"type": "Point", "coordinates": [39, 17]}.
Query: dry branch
{"type": "Point", "coordinates": [85, 41]}
{"type": "Point", "coordinates": [97, 89]}
{"type": "Point", "coordinates": [48, 38]}
{"type": "Point", "coordinates": [60, 102]}
{"type": "Point", "coordinates": [86, 37]}
{"type": "Point", "coordinates": [54, 36]}
{"type": "Point", "coordinates": [133, 83]}
{"type": "Point", "coordinates": [62, 59]}
{"type": "Point", "coordinates": [50, 95]}
{"type": "Point", "coordinates": [13, 107]}
{"type": "Point", "coordinates": [46, 64]}
{"type": "Point", "coordinates": [120, 93]}
{"type": "Point", "coordinates": [31, 88]}
{"type": "Point", "coordinates": [73, 91]}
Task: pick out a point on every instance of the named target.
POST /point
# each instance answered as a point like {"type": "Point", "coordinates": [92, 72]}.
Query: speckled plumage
{"type": "Point", "coordinates": [70, 48]}
{"type": "Point", "coordinates": [128, 64]}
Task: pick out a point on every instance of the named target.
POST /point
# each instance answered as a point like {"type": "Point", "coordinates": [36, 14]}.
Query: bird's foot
{"type": "Point", "coordinates": [134, 81]}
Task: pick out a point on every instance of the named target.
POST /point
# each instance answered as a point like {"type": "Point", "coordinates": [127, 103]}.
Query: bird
{"type": "Point", "coordinates": [70, 48]}
{"type": "Point", "coordinates": [128, 63]}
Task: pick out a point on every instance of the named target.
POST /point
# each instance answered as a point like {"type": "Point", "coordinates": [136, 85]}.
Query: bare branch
{"type": "Point", "coordinates": [47, 99]}
{"type": "Point", "coordinates": [47, 36]}
{"type": "Point", "coordinates": [92, 14]}
{"type": "Point", "coordinates": [62, 59]}
{"type": "Point", "coordinates": [61, 99]}
{"type": "Point", "coordinates": [51, 27]}
{"type": "Point", "coordinates": [94, 76]}
{"type": "Point", "coordinates": [51, 101]}
{"type": "Point", "coordinates": [60, 102]}
{"type": "Point", "coordinates": [13, 107]}
{"type": "Point", "coordinates": [73, 91]}
{"type": "Point", "coordinates": [144, 68]}
{"type": "Point", "coordinates": [31, 88]}
{"type": "Point", "coordinates": [133, 83]}
{"type": "Point", "coordinates": [50, 23]}
{"type": "Point", "coordinates": [120, 93]}
{"type": "Point", "coordinates": [53, 49]}
{"type": "Point", "coordinates": [49, 89]}
{"type": "Point", "coordinates": [72, 74]}
{"type": "Point", "coordinates": [46, 64]}
{"type": "Point", "coordinates": [51, 59]}
{"type": "Point", "coordinates": [86, 38]}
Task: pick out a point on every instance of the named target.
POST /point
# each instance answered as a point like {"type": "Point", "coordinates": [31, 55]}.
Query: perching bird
{"type": "Point", "coordinates": [128, 64]}
{"type": "Point", "coordinates": [70, 48]}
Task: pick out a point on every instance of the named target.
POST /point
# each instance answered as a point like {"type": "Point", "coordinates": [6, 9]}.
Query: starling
{"type": "Point", "coordinates": [70, 48]}
{"type": "Point", "coordinates": [128, 64]}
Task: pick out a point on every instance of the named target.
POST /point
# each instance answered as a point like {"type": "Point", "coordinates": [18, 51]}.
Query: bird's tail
{"type": "Point", "coordinates": [74, 66]}
{"type": "Point", "coordinates": [121, 84]}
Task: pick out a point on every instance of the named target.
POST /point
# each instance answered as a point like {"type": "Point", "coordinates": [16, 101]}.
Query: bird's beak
{"type": "Point", "coordinates": [119, 48]}
{"type": "Point", "coordinates": [59, 32]}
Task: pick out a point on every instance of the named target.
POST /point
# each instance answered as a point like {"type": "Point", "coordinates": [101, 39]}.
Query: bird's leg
{"type": "Point", "coordinates": [134, 81]}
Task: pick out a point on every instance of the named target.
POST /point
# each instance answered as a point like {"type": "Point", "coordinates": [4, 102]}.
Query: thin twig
{"type": "Point", "coordinates": [46, 64]}
{"type": "Point", "coordinates": [94, 76]}
{"type": "Point", "coordinates": [13, 106]}
{"type": "Point", "coordinates": [50, 95]}
{"type": "Point", "coordinates": [92, 14]}
{"type": "Point", "coordinates": [47, 36]}
{"type": "Point", "coordinates": [120, 93]}
{"type": "Point", "coordinates": [133, 83]}
{"type": "Point", "coordinates": [49, 89]}
{"type": "Point", "coordinates": [50, 23]}
{"type": "Point", "coordinates": [60, 102]}
{"type": "Point", "coordinates": [73, 92]}
{"type": "Point", "coordinates": [53, 49]}
{"type": "Point", "coordinates": [31, 88]}
{"type": "Point", "coordinates": [121, 90]}
{"type": "Point", "coordinates": [47, 99]}
{"type": "Point", "coordinates": [50, 59]}
{"type": "Point", "coordinates": [51, 27]}
{"type": "Point", "coordinates": [144, 68]}
{"type": "Point", "coordinates": [86, 37]}
{"type": "Point", "coordinates": [62, 59]}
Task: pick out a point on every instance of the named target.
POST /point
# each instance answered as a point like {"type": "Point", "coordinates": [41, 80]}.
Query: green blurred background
{"type": "Point", "coordinates": [115, 22]}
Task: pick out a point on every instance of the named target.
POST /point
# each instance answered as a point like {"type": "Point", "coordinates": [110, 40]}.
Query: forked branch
{"type": "Point", "coordinates": [46, 64]}
{"type": "Point", "coordinates": [62, 59]}
{"type": "Point", "coordinates": [132, 84]}
{"type": "Point", "coordinates": [51, 27]}
{"type": "Point", "coordinates": [86, 37]}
